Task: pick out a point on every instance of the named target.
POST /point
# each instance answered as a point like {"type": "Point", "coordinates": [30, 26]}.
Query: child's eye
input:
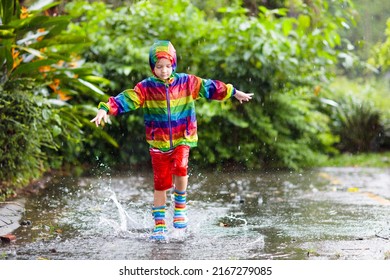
{"type": "Point", "coordinates": [162, 66]}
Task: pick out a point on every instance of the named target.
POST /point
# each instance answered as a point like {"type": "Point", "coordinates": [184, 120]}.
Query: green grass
{"type": "Point", "coordinates": [359, 160]}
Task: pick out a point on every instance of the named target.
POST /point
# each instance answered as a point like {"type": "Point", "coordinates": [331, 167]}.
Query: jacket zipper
{"type": "Point", "coordinates": [169, 115]}
{"type": "Point", "coordinates": [152, 124]}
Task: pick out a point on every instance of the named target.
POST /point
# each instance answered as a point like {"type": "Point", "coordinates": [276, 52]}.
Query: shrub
{"type": "Point", "coordinates": [23, 137]}
{"type": "Point", "coordinates": [360, 114]}
{"type": "Point", "coordinates": [43, 81]}
{"type": "Point", "coordinates": [359, 125]}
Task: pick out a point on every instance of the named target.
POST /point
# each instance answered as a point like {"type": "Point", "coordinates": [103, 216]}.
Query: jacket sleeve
{"type": "Point", "coordinates": [211, 89]}
{"type": "Point", "coordinates": [126, 101]}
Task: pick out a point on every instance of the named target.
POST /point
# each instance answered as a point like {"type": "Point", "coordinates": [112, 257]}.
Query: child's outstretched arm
{"type": "Point", "coordinates": [242, 96]}
{"type": "Point", "coordinates": [126, 101]}
{"type": "Point", "coordinates": [102, 114]}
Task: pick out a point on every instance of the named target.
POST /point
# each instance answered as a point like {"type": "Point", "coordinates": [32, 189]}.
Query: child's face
{"type": "Point", "coordinates": [163, 69]}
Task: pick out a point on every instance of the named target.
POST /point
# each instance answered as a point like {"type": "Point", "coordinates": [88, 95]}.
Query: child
{"type": "Point", "coordinates": [168, 102]}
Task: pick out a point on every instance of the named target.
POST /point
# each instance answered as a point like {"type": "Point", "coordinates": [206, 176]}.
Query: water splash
{"type": "Point", "coordinates": [126, 223]}
{"type": "Point", "coordinates": [178, 234]}
{"type": "Point", "coordinates": [123, 215]}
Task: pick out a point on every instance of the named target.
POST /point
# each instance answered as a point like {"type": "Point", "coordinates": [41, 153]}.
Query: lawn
{"type": "Point", "coordinates": [359, 160]}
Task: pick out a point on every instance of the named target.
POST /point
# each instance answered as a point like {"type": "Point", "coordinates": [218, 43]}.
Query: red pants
{"type": "Point", "coordinates": [167, 164]}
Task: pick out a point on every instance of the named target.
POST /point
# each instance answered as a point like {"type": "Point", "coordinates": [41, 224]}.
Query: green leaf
{"type": "Point", "coordinates": [304, 21]}
{"type": "Point", "coordinates": [56, 130]}
{"type": "Point", "coordinates": [43, 5]}
{"type": "Point", "coordinates": [101, 133]}
{"type": "Point", "coordinates": [10, 8]}
{"type": "Point", "coordinates": [96, 79]}
{"type": "Point", "coordinates": [60, 40]}
{"type": "Point", "coordinates": [35, 52]}
{"type": "Point", "coordinates": [91, 86]}
{"type": "Point", "coordinates": [237, 121]}
{"type": "Point", "coordinates": [7, 34]}
{"type": "Point", "coordinates": [288, 25]}
{"type": "Point", "coordinates": [32, 67]}
{"type": "Point", "coordinates": [30, 23]}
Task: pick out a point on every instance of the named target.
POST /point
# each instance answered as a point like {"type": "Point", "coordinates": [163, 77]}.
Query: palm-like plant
{"type": "Point", "coordinates": [40, 60]}
{"type": "Point", "coordinates": [359, 126]}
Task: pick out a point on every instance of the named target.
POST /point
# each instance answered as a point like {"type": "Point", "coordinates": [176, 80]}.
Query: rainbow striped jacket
{"type": "Point", "coordinates": [169, 108]}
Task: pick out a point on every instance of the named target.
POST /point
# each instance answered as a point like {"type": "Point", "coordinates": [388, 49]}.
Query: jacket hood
{"type": "Point", "coordinates": [162, 49]}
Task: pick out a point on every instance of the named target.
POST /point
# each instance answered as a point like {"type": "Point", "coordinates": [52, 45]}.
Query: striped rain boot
{"type": "Point", "coordinates": [180, 214]}
{"type": "Point", "coordinates": [160, 228]}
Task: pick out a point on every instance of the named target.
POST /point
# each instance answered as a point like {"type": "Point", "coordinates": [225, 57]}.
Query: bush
{"type": "Point", "coordinates": [360, 115]}
{"type": "Point", "coordinates": [23, 137]}
{"type": "Point", "coordinates": [359, 126]}
{"type": "Point", "coordinates": [41, 61]}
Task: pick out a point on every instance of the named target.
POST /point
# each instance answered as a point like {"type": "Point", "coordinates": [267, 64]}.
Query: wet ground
{"type": "Point", "coordinates": [330, 213]}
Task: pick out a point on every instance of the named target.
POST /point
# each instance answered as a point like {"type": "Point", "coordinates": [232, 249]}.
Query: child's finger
{"type": "Point", "coordinates": [97, 120]}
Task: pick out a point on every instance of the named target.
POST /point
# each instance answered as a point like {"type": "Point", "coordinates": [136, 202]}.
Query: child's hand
{"type": "Point", "coordinates": [102, 114]}
{"type": "Point", "coordinates": [242, 96]}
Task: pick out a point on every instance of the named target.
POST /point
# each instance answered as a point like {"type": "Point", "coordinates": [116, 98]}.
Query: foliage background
{"type": "Point", "coordinates": [317, 76]}
{"type": "Point", "coordinates": [282, 66]}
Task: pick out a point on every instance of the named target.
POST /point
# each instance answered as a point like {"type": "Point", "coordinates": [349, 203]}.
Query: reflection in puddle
{"type": "Point", "coordinates": [275, 215]}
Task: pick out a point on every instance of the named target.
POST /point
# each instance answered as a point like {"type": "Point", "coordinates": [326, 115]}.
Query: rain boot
{"type": "Point", "coordinates": [180, 214]}
{"type": "Point", "coordinates": [160, 228]}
